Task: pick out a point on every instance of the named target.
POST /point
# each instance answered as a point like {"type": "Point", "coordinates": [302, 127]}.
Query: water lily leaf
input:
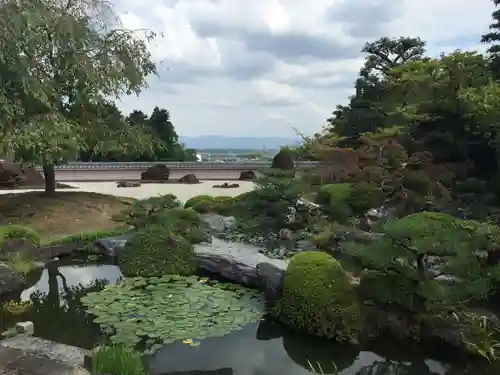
{"type": "Point", "coordinates": [169, 308]}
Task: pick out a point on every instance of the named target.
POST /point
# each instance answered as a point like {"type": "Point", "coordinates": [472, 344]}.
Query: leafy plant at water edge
{"type": "Point", "coordinates": [116, 359]}
{"type": "Point", "coordinates": [17, 307]}
{"type": "Point", "coordinates": [150, 312]}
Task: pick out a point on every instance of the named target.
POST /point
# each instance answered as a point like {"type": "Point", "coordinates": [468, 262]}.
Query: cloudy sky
{"type": "Point", "coordinates": [265, 67]}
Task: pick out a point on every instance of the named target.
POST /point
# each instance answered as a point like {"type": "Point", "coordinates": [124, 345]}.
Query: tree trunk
{"type": "Point", "coordinates": [50, 178]}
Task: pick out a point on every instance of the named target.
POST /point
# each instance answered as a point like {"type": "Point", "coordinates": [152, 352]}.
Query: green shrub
{"type": "Point", "coordinates": [143, 212]}
{"type": "Point", "coordinates": [364, 196]}
{"type": "Point", "coordinates": [199, 198]}
{"type": "Point", "coordinates": [218, 205]}
{"type": "Point", "coordinates": [118, 360]}
{"type": "Point", "coordinates": [90, 236]}
{"type": "Point", "coordinates": [333, 198]}
{"type": "Point", "coordinates": [183, 222]}
{"type": "Point", "coordinates": [18, 231]}
{"type": "Point", "coordinates": [157, 251]}
{"type": "Point", "coordinates": [333, 193]}
{"type": "Point", "coordinates": [318, 298]}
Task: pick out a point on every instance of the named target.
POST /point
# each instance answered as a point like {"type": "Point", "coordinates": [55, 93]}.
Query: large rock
{"type": "Point", "coordinates": [189, 179]}
{"type": "Point", "coordinates": [236, 261]}
{"type": "Point", "coordinates": [283, 160]}
{"type": "Point", "coordinates": [218, 223]}
{"type": "Point", "coordinates": [15, 175]}
{"type": "Point", "coordinates": [247, 176]}
{"type": "Point", "coordinates": [158, 172]}
{"type": "Point", "coordinates": [127, 184]}
{"type": "Point", "coordinates": [10, 281]}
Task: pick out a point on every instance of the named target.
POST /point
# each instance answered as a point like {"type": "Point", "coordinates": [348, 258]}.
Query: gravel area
{"type": "Point", "coordinates": [182, 191]}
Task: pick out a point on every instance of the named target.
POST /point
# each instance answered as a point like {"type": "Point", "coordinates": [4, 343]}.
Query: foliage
{"type": "Point", "coordinates": [183, 222]}
{"type": "Point", "coordinates": [159, 128]}
{"type": "Point", "coordinates": [21, 262]}
{"type": "Point", "coordinates": [18, 231]}
{"type": "Point", "coordinates": [146, 211]}
{"type": "Point", "coordinates": [90, 236]}
{"type": "Point", "coordinates": [220, 205]}
{"type": "Point", "coordinates": [17, 307]}
{"type": "Point", "coordinates": [318, 297]}
{"type": "Point", "coordinates": [116, 359]}
{"type": "Point", "coordinates": [156, 251]}
{"type": "Point", "coordinates": [150, 312]}
{"type": "Point", "coordinates": [402, 269]}
{"type": "Point", "coordinates": [196, 199]}
{"type": "Point", "coordinates": [60, 63]}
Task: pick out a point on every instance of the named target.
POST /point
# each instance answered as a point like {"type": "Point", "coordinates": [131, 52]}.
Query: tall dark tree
{"type": "Point", "coordinates": [162, 126]}
{"type": "Point", "coordinates": [368, 108]}
{"type": "Point", "coordinates": [493, 39]}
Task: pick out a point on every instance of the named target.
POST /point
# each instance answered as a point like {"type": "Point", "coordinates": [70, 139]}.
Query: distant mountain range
{"type": "Point", "coordinates": [214, 142]}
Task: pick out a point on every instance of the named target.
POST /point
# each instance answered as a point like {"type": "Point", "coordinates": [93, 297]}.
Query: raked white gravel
{"type": "Point", "coordinates": [182, 191]}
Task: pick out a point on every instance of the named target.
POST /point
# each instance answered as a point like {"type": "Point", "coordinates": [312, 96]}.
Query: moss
{"type": "Point", "coordinates": [18, 231]}
{"type": "Point", "coordinates": [157, 251]}
{"type": "Point", "coordinates": [199, 198]}
{"type": "Point", "coordinates": [90, 236]}
{"type": "Point", "coordinates": [318, 298]}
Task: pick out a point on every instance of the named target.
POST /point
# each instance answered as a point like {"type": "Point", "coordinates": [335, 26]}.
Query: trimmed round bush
{"type": "Point", "coordinates": [318, 298]}
{"type": "Point", "coordinates": [157, 251]}
{"type": "Point", "coordinates": [199, 198]}
{"type": "Point", "coordinates": [8, 232]}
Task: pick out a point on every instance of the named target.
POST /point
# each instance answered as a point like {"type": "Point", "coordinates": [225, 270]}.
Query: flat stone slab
{"type": "Point", "coordinates": [69, 355]}
{"type": "Point", "coordinates": [18, 362]}
{"type": "Point", "coordinates": [235, 261]}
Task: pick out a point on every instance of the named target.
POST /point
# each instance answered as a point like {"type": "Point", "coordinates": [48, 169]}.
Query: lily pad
{"type": "Point", "coordinates": [146, 312]}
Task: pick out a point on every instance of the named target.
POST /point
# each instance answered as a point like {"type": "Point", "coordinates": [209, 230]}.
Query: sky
{"type": "Point", "coordinates": [268, 67]}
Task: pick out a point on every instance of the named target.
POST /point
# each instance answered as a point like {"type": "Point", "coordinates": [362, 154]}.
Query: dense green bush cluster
{"type": "Point", "coordinates": [343, 200]}
{"type": "Point", "coordinates": [157, 251]}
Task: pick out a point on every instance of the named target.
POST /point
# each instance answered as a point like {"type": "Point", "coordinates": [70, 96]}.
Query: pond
{"type": "Point", "coordinates": [266, 348]}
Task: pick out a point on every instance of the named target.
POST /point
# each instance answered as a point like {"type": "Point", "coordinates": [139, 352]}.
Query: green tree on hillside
{"type": "Point", "coordinates": [493, 39]}
{"type": "Point", "coordinates": [58, 59]}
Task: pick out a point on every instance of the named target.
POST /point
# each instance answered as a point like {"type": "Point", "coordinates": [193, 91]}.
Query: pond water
{"type": "Point", "coordinates": [266, 348]}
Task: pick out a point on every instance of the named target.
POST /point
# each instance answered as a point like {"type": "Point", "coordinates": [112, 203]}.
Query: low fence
{"type": "Point", "coordinates": [245, 164]}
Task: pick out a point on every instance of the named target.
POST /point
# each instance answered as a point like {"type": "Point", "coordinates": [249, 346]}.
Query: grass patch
{"type": "Point", "coordinates": [116, 359]}
{"type": "Point", "coordinates": [89, 236]}
{"type": "Point", "coordinates": [63, 213]}
{"type": "Point", "coordinates": [8, 232]}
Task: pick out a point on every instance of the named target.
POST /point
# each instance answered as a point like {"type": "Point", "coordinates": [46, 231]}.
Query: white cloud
{"type": "Point", "coordinates": [270, 65]}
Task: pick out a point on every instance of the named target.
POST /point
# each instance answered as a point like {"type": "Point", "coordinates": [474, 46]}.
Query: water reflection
{"type": "Point", "coordinates": [61, 276]}
{"type": "Point", "coordinates": [57, 313]}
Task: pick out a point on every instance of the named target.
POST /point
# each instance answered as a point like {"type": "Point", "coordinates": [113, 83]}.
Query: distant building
{"type": "Point", "coordinates": [199, 157]}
